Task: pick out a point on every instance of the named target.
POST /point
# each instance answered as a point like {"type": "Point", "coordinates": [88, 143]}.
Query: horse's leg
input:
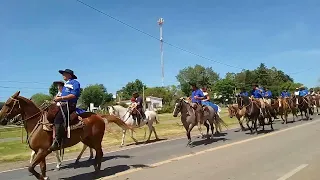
{"type": "Point", "coordinates": [98, 159]}
{"type": "Point", "coordinates": [207, 126]}
{"type": "Point", "coordinates": [212, 129]}
{"type": "Point", "coordinates": [131, 135]}
{"type": "Point", "coordinates": [124, 131]}
{"type": "Point", "coordinates": [240, 123]}
{"type": "Point", "coordinates": [32, 156]}
{"type": "Point", "coordinates": [58, 160]}
{"type": "Point", "coordinates": [189, 133]}
{"type": "Point", "coordinates": [200, 130]}
{"type": "Point", "coordinates": [43, 168]}
{"type": "Point", "coordinates": [150, 132]}
{"type": "Point", "coordinates": [249, 126]}
{"type": "Point", "coordinates": [82, 151]}
{"type": "Point", "coordinates": [255, 125]}
{"type": "Point", "coordinates": [40, 156]}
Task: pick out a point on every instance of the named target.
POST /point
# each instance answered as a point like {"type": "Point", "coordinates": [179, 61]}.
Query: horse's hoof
{"type": "Point", "coordinates": [46, 178]}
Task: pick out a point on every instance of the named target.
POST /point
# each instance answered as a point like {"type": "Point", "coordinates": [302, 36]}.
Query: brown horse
{"type": "Point", "coordinates": [40, 138]}
{"type": "Point", "coordinates": [316, 102]}
{"type": "Point", "coordinates": [253, 112]}
{"type": "Point", "coordinates": [286, 105]}
{"type": "Point", "coordinates": [234, 110]}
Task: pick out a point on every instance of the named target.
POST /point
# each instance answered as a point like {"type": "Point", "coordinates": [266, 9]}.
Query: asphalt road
{"type": "Point", "coordinates": [233, 155]}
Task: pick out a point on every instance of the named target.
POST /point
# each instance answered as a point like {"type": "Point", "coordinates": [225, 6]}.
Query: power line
{"type": "Point", "coordinates": [9, 87]}
{"type": "Point", "coordinates": [26, 82]}
{"type": "Point", "coordinates": [154, 37]}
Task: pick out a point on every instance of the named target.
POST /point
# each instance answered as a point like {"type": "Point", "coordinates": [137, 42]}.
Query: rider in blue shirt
{"type": "Point", "coordinates": [68, 100]}
{"type": "Point", "coordinates": [196, 95]}
{"type": "Point", "coordinates": [285, 94]}
{"type": "Point", "coordinates": [244, 92]}
{"type": "Point", "coordinates": [303, 92]}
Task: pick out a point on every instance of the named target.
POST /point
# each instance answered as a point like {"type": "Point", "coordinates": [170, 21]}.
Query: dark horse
{"type": "Point", "coordinates": [253, 112]}
{"type": "Point", "coordinates": [304, 105]}
{"type": "Point", "coordinates": [91, 134]}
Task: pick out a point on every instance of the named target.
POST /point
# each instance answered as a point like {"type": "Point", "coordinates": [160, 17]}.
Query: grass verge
{"type": "Point", "coordinates": [167, 128]}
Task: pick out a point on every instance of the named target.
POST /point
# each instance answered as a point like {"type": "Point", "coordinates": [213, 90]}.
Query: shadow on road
{"type": "Point", "coordinates": [106, 172]}
{"type": "Point", "coordinates": [151, 141]}
{"type": "Point", "coordinates": [88, 163]}
{"type": "Point", "coordinates": [207, 141]}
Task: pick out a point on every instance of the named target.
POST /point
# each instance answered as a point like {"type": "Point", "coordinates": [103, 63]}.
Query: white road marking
{"type": "Point", "coordinates": [293, 172]}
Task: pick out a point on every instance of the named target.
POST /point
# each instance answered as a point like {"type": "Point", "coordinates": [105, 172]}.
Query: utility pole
{"type": "Point", "coordinates": [160, 22]}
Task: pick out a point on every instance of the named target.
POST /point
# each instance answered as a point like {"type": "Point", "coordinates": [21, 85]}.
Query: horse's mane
{"type": "Point", "coordinates": [246, 100]}
{"type": "Point", "coordinates": [28, 102]}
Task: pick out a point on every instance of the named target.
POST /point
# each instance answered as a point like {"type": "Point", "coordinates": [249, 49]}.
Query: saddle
{"type": "Point", "coordinates": [48, 116]}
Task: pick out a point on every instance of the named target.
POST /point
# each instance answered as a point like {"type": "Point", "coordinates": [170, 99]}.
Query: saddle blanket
{"type": "Point", "coordinates": [214, 106]}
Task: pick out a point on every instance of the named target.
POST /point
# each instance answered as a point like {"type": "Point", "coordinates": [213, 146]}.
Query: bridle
{"type": "Point", "coordinates": [17, 102]}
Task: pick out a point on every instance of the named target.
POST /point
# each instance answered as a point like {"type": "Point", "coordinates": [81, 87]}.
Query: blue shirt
{"type": "Point", "coordinates": [268, 94]}
{"type": "Point", "coordinates": [303, 92]}
{"type": "Point", "coordinates": [256, 93]}
{"type": "Point", "coordinates": [244, 93]}
{"type": "Point", "coordinates": [72, 86]}
{"type": "Point", "coordinates": [198, 93]}
{"type": "Point", "coordinates": [285, 94]}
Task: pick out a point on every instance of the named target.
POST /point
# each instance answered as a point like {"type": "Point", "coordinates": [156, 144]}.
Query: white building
{"type": "Point", "coordinates": [153, 103]}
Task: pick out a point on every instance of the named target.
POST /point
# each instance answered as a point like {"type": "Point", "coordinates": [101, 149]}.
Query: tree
{"type": "Point", "coordinates": [1, 105]}
{"type": "Point", "coordinates": [198, 74]}
{"type": "Point", "coordinates": [225, 88]}
{"type": "Point", "coordinates": [131, 87]}
{"type": "Point", "coordinates": [96, 94]}
{"type": "Point", "coordinates": [53, 90]}
{"type": "Point", "coordinates": [40, 98]}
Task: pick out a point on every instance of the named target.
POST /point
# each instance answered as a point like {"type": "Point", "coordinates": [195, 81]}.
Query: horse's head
{"type": "Point", "coordinates": [232, 110]}
{"type": "Point", "coordinates": [111, 110]}
{"type": "Point", "coordinates": [240, 101]}
{"type": "Point", "coordinates": [178, 106]}
{"type": "Point", "coordinates": [10, 109]}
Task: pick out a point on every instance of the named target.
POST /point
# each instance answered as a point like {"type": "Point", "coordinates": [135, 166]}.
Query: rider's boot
{"type": "Point", "coordinates": [58, 137]}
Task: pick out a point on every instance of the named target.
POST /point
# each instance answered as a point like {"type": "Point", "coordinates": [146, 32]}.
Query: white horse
{"type": "Point", "coordinates": [124, 114]}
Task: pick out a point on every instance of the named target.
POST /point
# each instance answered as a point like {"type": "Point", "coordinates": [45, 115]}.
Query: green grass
{"type": "Point", "coordinates": [169, 127]}
{"type": "Point", "coordinates": [13, 132]}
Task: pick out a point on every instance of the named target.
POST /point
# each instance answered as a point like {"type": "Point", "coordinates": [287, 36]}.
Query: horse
{"type": "Point", "coordinates": [125, 115]}
{"type": "Point", "coordinates": [286, 105]}
{"type": "Point", "coordinates": [253, 112]}
{"type": "Point", "coordinates": [233, 110]}
{"type": "Point", "coordinates": [89, 129]}
{"type": "Point", "coordinates": [191, 116]}
{"type": "Point", "coordinates": [316, 102]}
{"type": "Point", "coordinates": [304, 105]}
{"type": "Point", "coordinates": [108, 119]}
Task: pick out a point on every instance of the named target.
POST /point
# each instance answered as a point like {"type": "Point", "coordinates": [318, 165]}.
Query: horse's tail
{"type": "Point", "coordinates": [117, 121]}
{"type": "Point", "coordinates": [220, 122]}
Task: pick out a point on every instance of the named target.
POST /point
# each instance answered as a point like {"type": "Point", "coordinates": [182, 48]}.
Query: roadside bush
{"type": "Point", "coordinates": [166, 109]}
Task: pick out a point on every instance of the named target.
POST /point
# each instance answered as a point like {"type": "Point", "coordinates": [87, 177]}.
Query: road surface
{"type": "Point", "coordinates": [291, 149]}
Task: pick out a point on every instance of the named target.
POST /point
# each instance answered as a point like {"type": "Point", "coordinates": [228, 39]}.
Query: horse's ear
{"type": "Point", "coordinates": [16, 94]}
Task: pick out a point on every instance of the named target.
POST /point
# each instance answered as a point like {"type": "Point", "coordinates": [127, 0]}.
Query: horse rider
{"type": "Point", "coordinates": [304, 93]}
{"type": "Point", "coordinates": [67, 101]}
{"type": "Point", "coordinates": [268, 95]}
{"type": "Point", "coordinates": [206, 101]}
{"type": "Point", "coordinates": [59, 85]}
{"type": "Point", "coordinates": [197, 95]}
{"type": "Point", "coordinates": [243, 92]}
{"type": "Point", "coordinates": [285, 94]}
{"type": "Point", "coordinates": [138, 105]}
{"type": "Point", "coordinates": [312, 93]}
{"type": "Point", "coordinates": [257, 93]}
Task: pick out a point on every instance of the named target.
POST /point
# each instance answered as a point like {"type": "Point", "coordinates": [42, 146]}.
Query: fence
{"type": "Point", "coordinates": [12, 133]}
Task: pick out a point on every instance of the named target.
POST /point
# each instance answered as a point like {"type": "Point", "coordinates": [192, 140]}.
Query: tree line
{"type": "Point", "coordinates": [220, 88]}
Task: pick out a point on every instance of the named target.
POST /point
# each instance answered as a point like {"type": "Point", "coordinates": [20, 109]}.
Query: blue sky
{"type": "Point", "coordinates": [37, 38]}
